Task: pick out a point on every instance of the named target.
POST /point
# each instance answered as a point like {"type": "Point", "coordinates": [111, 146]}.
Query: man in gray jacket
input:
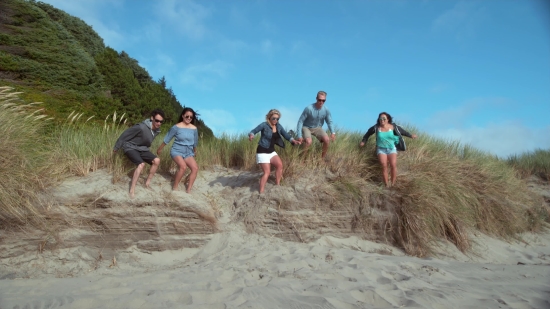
{"type": "Point", "coordinates": [311, 123]}
{"type": "Point", "coordinates": [135, 142]}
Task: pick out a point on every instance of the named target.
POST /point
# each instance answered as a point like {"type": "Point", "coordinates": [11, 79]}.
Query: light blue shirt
{"type": "Point", "coordinates": [184, 137]}
{"type": "Point", "coordinates": [314, 118]}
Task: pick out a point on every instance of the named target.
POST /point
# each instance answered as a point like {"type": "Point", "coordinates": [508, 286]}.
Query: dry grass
{"type": "Point", "coordinates": [533, 163]}
{"type": "Point", "coordinates": [22, 159]}
{"type": "Point", "coordinates": [444, 191]}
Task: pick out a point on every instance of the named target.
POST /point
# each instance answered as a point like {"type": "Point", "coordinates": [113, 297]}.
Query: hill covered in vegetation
{"type": "Point", "coordinates": [58, 59]}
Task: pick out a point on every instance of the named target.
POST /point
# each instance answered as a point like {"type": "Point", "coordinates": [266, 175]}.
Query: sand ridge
{"type": "Point", "coordinates": [169, 249]}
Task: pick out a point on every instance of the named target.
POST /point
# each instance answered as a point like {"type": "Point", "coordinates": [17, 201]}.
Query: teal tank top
{"type": "Point", "coordinates": [386, 139]}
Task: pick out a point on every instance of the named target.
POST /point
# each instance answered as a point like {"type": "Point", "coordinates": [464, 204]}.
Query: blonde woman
{"type": "Point", "coordinates": [271, 132]}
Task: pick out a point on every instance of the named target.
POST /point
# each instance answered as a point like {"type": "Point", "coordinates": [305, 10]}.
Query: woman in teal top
{"type": "Point", "coordinates": [184, 147]}
{"type": "Point", "coordinates": [387, 136]}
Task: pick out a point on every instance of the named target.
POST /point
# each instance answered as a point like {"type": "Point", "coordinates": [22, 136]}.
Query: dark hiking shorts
{"type": "Point", "coordinates": [138, 157]}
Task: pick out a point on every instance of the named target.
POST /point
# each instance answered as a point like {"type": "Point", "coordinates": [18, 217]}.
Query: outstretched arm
{"type": "Point", "coordinates": [287, 136]}
{"type": "Point", "coordinates": [254, 131]}
{"type": "Point", "coordinates": [300, 125]}
{"type": "Point", "coordinates": [159, 150]}
{"type": "Point", "coordinates": [328, 119]}
{"type": "Point", "coordinates": [405, 132]}
{"type": "Point", "coordinates": [370, 132]}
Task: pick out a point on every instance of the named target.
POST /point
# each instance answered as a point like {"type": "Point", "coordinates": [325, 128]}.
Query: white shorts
{"type": "Point", "coordinates": [265, 157]}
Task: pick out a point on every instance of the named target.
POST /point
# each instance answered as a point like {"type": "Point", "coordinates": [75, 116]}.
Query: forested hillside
{"type": "Point", "coordinates": [58, 59]}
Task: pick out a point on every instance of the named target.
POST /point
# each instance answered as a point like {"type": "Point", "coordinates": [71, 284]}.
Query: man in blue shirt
{"type": "Point", "coordinates": [311, 123]}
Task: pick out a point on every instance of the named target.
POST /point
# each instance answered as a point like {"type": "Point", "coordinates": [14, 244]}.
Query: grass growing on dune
{"type": "Point", "coordinates": [444, 190]}
{"type": "Point", "coordinates": [23, 156]}
{"type": "Point", "coordinates": [532, 163]}
{"type": "Point", "coordinates": [85, 146]}
{"type": "Point", "coordinates": [450, 191]}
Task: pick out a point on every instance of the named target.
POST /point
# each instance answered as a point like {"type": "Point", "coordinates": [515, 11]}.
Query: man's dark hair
{"type": "Point", "coordinates": [158, 111]}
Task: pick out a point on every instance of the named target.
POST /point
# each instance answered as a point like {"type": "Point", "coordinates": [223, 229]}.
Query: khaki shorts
{"type": "Point", "coordinates": [317, 132]}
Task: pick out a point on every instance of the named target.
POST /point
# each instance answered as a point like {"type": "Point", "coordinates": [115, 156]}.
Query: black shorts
{"type": "Point", "coordinates": [138, 157]}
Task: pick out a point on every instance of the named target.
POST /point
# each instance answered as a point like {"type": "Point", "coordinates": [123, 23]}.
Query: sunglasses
{"type": "Point", "coordinates": [274, 118]}
{"type": "Point", "coordinates": [188, 117]}
{"type": "Point", "coordinates": [158, 121]}
{"type": "Point", "coordinates": [319, 100]}
{"type": "Point", "coordinates": [382, 118]}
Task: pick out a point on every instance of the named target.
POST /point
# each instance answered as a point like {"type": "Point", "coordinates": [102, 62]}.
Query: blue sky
{"type": "Point", "coordinates": [473, 71]}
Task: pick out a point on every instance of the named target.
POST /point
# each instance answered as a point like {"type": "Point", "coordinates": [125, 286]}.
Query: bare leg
{"type": "Point", "coordinates": [152, 171]}
{"type": "Point", "coordinates": [190, 161]}
{"type": "Point", "coordinates": [326, 141]}
{"type": "Point", "coordinates": [392, 158]}
{"type": "Point", "coordinates": [383, 158]}
{"type": "Point", "coordinates": [278, 164]}
{"type": "Point", "coordinates": [306, 146]}
{"type": "Point", "coordinates": [266, 168]}
{"type": "Point", "coordinates": [135, 178]}
{"type": "Point", "coordinates": [181, 170]}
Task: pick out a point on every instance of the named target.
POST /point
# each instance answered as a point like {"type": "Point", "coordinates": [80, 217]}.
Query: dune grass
{"type": "Point", "coordinates": [22, 158]}
{"type": "Point", "coordinates": [445, 190]}
{"type": "Point", "coordinates": [532, 163]}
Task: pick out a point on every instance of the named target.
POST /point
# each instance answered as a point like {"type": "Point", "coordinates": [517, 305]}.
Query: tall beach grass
{"type": "Point", "coordinates": [445, 190]}
{"type": "Point", "coordinates": [23, 158]}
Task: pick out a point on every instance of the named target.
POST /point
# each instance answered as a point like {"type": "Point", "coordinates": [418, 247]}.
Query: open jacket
{"type": "Point", "coordinates": [267, 134]}
{"type": "Point", "coordinates": [373, 129]}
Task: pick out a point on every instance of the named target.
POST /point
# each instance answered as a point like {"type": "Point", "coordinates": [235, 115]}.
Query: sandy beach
{"type": "Point", "coordinates": [226, 246]}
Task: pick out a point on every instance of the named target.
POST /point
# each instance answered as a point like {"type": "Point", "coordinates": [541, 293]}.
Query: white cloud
{"type": "Point", "coordinates": [232, 47]}
{"type": "Point", "coordinates": [205, 76]}
{"type": "Point", "coordinates": [438, 88]}
{"type": "Point", "coordinates": [461, 20]}
{"type": "Point", "coordinates": [460, 114]}
{"type": "Point", "coordinates": [266, 46]}
{"type": "Point", "coordinates": [289, 118]}
{"type": "Point", "coordinates": [185, 15]}
{"type": "Point", "coordinates": [220, 121]}
{"type": "Point", "coordinates": [300, 48]}
{"type": "Point", "coordinates": [268, 26]}
{"type": "Point", "coordinates": [502, 139]}
{"type": "Point", "coordinates": [91, 13]}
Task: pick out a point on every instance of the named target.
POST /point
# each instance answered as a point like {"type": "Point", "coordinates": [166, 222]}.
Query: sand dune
{"type": "Point", "coordinates": [172, 250]}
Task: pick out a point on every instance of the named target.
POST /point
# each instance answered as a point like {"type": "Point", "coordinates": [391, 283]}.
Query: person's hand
{"type": "Point", "coordinates": [300, 140]}
{"type": "Point", "coordinates": [296, 142]}
{"type": "Point", "coordinates": [332, 137]}
{"type": "Point", "coordinates": [250, 137]}
{"type": "Point", "coordinates": [361, 144]}
{"type": "Point", "coordinates": [414, 136]}
{"type": "Point", "coordinates": [159, 151]}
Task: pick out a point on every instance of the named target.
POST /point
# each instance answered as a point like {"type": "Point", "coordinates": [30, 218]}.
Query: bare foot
{"type": "Point", "coordinates": [132, 194]}
{"type": "Point", "coordinates": [147, 183]}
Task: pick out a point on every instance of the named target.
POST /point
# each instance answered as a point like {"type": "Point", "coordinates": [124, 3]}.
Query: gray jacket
{"type": "Point", "coordinates": [138, 137]}
{"type": "Point", "coordinates": [267, 134]}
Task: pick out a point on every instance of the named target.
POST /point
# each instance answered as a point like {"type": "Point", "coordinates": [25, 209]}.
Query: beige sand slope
{"type": "Point", "coordinates": [226, 246]}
